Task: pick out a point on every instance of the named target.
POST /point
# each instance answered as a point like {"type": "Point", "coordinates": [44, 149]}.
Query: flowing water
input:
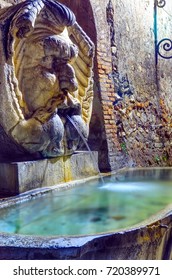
{"type": "Point", "coordinates": [87, 146]}
{"type": "Point", "coordinates": [89, 208]}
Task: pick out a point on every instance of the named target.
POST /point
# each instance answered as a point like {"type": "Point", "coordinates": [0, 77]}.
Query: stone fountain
{"type": "Point", "coordinates": [46, 75]}
{"type": "Point", "coordinates": [46, 80]}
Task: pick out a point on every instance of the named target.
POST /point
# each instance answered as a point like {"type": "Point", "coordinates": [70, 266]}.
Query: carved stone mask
{"type": "Point", "coordinates": [45, 80]}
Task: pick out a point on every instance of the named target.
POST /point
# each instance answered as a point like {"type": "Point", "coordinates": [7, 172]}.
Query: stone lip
{"type": "Point", "coordinates": [46, 172]}
{"type": "Point", "coordinates": [149, 240]}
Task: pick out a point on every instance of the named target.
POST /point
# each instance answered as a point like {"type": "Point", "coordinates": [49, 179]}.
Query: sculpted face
{"type": "Point", "coordinates": [49, 63]}
{"type": "Point", "coordinates": [48, 59]}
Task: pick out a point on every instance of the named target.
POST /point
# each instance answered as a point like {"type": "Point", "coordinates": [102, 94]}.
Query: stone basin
{"type": "Point", "coordinates": [149, 239]}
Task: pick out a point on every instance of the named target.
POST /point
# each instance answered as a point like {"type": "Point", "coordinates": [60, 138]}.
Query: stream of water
{"type": "Point", "coordinates": [87, 146]}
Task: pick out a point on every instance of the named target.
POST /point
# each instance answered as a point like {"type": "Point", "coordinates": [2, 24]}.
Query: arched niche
{"type": "Point", "coordinates": [93, 21]}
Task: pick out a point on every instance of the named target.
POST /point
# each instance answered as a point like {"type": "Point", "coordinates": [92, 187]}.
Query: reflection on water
{"type": "Point", "coordinates": [87, 209]}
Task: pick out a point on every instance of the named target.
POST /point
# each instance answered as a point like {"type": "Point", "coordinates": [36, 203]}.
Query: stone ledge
{"type": "Point", "coordinates": [19, 177]}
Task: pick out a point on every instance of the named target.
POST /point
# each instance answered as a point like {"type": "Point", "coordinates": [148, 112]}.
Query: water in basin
{"type": "Point", "coordinates": [88, 209]}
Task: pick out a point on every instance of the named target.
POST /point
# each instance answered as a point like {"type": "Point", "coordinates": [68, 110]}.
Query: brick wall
{"type": "Point", "coordinates": [91, 15]}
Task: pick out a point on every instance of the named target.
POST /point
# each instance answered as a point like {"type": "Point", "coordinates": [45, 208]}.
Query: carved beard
{"type": "Point", "coordinates": [49, 90]}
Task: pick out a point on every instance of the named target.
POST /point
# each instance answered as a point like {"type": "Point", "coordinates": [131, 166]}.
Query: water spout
{"type": "Point", "coordinates": [87, 146]}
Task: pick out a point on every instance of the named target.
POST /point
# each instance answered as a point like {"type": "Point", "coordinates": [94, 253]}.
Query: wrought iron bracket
{"type": "Point", "coordinates": [160, 3]}
{"type": "Point", "coordinates": [163, 48]}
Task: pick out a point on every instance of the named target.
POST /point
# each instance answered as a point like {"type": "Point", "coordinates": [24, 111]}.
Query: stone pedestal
{"type": "Point", "coordinates": [18, 177]}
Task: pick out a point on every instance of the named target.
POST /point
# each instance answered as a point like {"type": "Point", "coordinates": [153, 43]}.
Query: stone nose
{"type": "Point", "coordinates": [67, 78]}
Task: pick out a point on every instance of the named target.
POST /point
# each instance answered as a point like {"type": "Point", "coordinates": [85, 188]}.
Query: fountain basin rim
{"type": "Point", "coordinates": [36, 241]}
{"type": "Point", "coordinates": [67, 241]}
{"type": "Point", "coordinates": [9, 201]}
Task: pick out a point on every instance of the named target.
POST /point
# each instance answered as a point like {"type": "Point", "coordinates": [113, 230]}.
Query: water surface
{"type": "Point", "coordinates": [88, 209]}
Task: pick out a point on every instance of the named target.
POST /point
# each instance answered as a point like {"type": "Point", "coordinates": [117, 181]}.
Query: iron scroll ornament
{"type": "Point", "coordinates": [160, 3]}
{"type": "Point", "coordinates": [165, 45]}
{"type": "Point", "coordinates": [163, 48]}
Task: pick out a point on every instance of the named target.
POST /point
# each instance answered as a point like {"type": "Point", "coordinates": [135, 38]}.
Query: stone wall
{"type": "Point", "coordinates": [131, 121]}
{"type": "Point", "coordinates": [143, 115]}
